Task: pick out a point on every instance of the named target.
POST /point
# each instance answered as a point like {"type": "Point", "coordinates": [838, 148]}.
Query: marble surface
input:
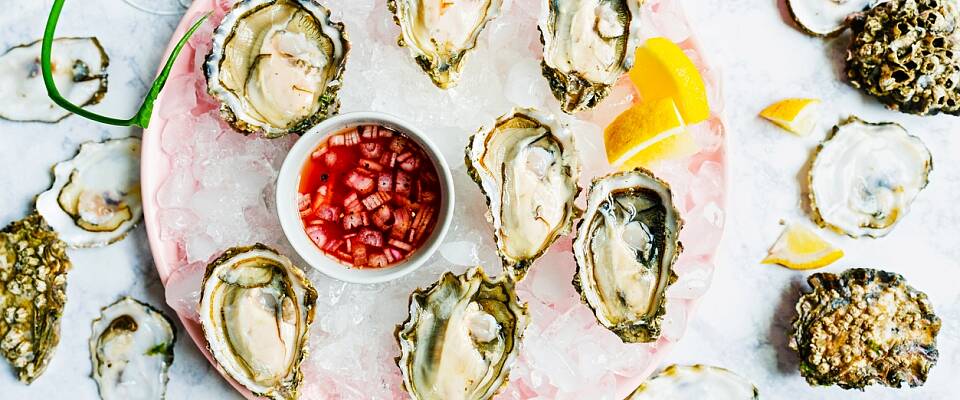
{"type": "Point", "coordinates": [743, 319]}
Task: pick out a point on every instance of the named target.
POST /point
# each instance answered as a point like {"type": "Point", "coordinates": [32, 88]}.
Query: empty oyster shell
{"type": "Point", "coordinates": [276, 66]}
{"type": "Point", "coordinates": [95, 197]}
{"type": "Point", "coordinates": [527, 166]}
{"type": "Point", "coordinates": [131, 349]}
{"type": "Point", "coordinates": [33, 292]}
{"type": "Point", "coordinates": [865, 176]}
{"type": "Point", "coordinates": [462, 337]}
{"type": "Point", "coordinates": [79, 67]}
{"type": "Point", "coordinates": [255, 309]}
{"type": "Point", "coordinates": [625, 248]}
{"type": "Point", "coordinates": [695, 382]}
{"type": "Point", "coordinates": [825, 18]}
{"type": "Point", "coordinates": [864, 327]}
{"type": "Point", "coordinates": [440, 33]}
{"type": "Point", "coordinates": [587, 46]}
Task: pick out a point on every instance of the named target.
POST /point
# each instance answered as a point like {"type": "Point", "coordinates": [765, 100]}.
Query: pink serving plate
{"type": "Point", "coordinates": [698, 182]}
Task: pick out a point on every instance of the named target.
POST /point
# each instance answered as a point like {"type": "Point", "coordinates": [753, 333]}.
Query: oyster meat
{"type": "Point", "coordinates": [695, 382]}
{"type": "Point", "coordinates": [255, 309]}
{"type": "Point", "coordinates": [906, 53]}
{"type": "Point", "coordinates": [131, 349]}
{"type": "Point", "coordinates": [825, 18]}
{"type": "Point", "coordinates": [276, 66]}
{"type": "Point", "coordinates": [625, 248]}
{"type": "Point", "coordinates": [95, 197]}
{"type": "Point", "coordinates": [864, 327]}
{"type": "Point", "coordinates": [440, 33]}
{"type": "Point", "coordinates": [527, 166]}
{"type": "Point", "coordinates": [587, 46]}
{"type": "Point", "coordinates": [79, 67]}
{"type": "Point", "coordinates": [33, 292]}
{"type": "Point", "coordinates": [462, 337]}
{"type": "Point", "coordinates": [865, 176]}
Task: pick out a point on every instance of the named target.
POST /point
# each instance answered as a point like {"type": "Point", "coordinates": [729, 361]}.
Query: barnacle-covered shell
{"type": "Point", "coordinates": [825, 18]}
{"type": "Point", "coordinates": [865, 176]}
{"type": "Point", "coordinates": [255, 309]}
{"type": "Point", "coordinates": [625, 248]}
{"type": "Point", "coordinates": [587, 46]}
{"type": "Point", "coordinates": [33, 292]}
{"type": "Point", "coordinates": [906, 53]}
{"type": "Point", "coordinates": [276, 66]}
{"type": "Point", "coordinates": [95, 197]}
{"type": "Point", "coordinates": [462, 337]}
{"type": "Point", "coordinates": [864, 327]}
{"type": "Point", "coordinates": [131, 349]}
{"type": "Point", "coordinates": [79, 68]}
{"type": "Point", "coordinates": [440, 33]}
{"type": "Point", "coordinates": [696, 382]}
{"type": "Point", "coordinates": [527, 166]}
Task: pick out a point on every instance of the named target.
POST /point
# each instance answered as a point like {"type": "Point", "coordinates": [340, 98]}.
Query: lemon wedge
{"type": "Point", "coordinates": [798, 116]}
{"type": "Point", "coordinates": [647, 132]}
{"type": "Point", "coordinates": [801, 248]}
{"type": "Point", "coordinates": [662, 70]}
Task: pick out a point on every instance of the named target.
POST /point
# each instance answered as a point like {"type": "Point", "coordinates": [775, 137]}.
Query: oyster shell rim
{"type": "Point", "coordinates": [837, 31]}
{"type": "Point", "coordinates": [673, 368]}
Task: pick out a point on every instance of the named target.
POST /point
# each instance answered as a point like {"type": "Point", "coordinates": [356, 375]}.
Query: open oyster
{"type": "Point", "coordinates": [33, 292]}
{"type": "Point", "coordinates": [865, 176]}
{"type": "Point", "coordinates": [864, 327]}
{"type": "Point", "coordinates": [79, 67]}
{"type": "Point", "coordinates": [695, 382]}
{"type": "Point", "coordinates": [906, 53]}
{"type": "Point", "coordinates": [276, 66]}
{"type": "Point", "coordinates": [462, 337]}
{"type": "Point", "coordinates": [528, 168]}
{"type": "Point", "coordinates": [440, 33]}
{"type": "Point", "coordinates": [825, 18]}
{"type": "Point", "coordinates": [95, 197]}
{"type": "Point", "coordinates": [131, 349]}
{"type": "Point", "coordinates": [625, 248]}
{"type": "Point", "coordinates": [255, 309]}
{"type": "Point", "coordinates": [587, 46]}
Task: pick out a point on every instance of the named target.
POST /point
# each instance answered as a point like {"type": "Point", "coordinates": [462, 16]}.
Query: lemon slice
{"type": "Point", "coordinates": [661, 70]}
{"type": "Point", "coordinates": [801, 248]}
{"type": "Point", "coordinates": [798, 116]}
{"type": "Point", "coordinates": [645, 133]}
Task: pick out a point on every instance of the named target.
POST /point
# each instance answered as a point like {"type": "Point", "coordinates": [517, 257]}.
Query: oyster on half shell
{"type": "Point", "coordinates": [696, 382]}
{"type": "Point", "coordinates": [95, 197]}
{"type": "Point", "coordinates": [462, 337]}
{"type": "Point", "coordinates": [825, 18]}
{"type": "Point", "coordinates": [527, 166]}
{"type": "Point", "coordinates": [255, 309]}
{"type": "Point", "coordinates": [276, 66]}
{"type": "Point", "coordinates": [625, 248]}
{"type": "Point", "coordinates": [440, 33]}
{"type": "Point", "coordinates": [587, 46]}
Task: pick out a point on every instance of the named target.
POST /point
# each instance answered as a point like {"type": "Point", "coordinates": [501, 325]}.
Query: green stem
{"type": "Point", "coordinates": [142, 117]}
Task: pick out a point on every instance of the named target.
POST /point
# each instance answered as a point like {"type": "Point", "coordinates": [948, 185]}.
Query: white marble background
{"type": "Point", "coordinates": [743, 319]}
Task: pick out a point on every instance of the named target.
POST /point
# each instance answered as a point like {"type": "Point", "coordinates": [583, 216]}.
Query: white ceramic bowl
{"type": "Point", "coordinates": [289, 179]}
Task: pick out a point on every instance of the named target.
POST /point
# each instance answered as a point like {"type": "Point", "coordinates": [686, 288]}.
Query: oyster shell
{"type": "Point", "coordinates": [95, 197]}
{"type": "Point", "coordinates": [440, 33]}
{"type": "Point", "coordinates": [587, 46]}
{"type": "Point", "coordinates": [255, 309]}
{"type": "Point", "coordinates": [462, 337]}
{"type": "Point", "coordinates": [695, 382]}
{"type": "Point", "coordinates": [527, 166]}
{"type": "Point", "coordinates": [906, 53]}
{"type": "Point", "coordinates": [79, 67]}
{"type": "Point", "coordinates": [625, 248]}
{"type": "Point", "coordinates": [825, 18]}
{"type": "Point", "coordinates": [131, 349]}
{"type": "Point", "coordinates": [33, 292]}
{"type": "Point", "coordinates": [276, 66]}
{"type": "Point", "coordinates": [889, 330]}
{"type": "Point", "coordinates": [865, 176]}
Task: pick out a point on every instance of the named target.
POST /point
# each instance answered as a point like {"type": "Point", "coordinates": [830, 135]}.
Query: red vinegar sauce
{"type": "Point", "coordinates": [369, 197]}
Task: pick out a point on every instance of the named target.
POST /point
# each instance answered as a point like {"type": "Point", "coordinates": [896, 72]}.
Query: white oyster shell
{"type": "Point", "coordinates": [696, 382]}
{"type": "Point", "coordinates": [825, 17]}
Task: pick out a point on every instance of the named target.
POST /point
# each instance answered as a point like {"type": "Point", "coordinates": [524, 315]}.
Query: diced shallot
{"type": "Point", "coordinates": [369, 132]}
{"type": "Point", "coordinates": [360, 181]}
{"type": "Point", "coordinates": [392, 254]}
{"type": "Point", "coordinates": [400, 245]}
{"type": "Point", "coordinates": [371, 165]}
{"type": "Point", "coordinates": [352, 203]}
{"type": "Point", "coordinates": [397, 145]}
{"type": "Point", "coordinates": [375, 200]}
{"type": "Point", "coordinates": [303, 201]}
{"type": "Point", "coordinates": [348, 138]}
{"type": "Point", "coordinates": [404, 183]}
{"type": "Point", "coordinates": [378, 260]}
{"type": "Point", "coordinates": [359, 255]}
{"type": "Point", "coordinates": [371, 237]}
{"type": "Point", "coordinates": [388, 159]}
{"type": "Point", "coordinates": [384, 132]}
{"type": "Point", "coordinates": [420, 224]}
{"type": "Point", "coordinates": [316, 235]}
{"type": "Point", "coordinates": [352, 220]}
{"type": "Point", "coordinates": [381, 217]}
{"type": "Point", "coordinates": [328, 212]}
{"type": "Point", "coordinates": [408, 161]}
{"type": "Point", "coordinates": [385, 182]}
{"type": "Point", "coordinates": [401, 222]}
